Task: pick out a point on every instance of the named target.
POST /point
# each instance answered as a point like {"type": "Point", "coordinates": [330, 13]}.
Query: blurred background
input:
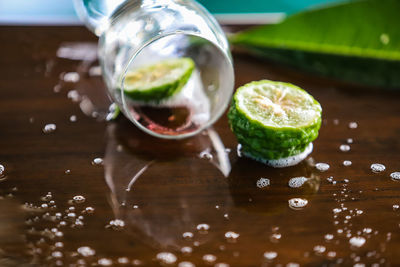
{"type": "Point", "coordinates": [58, 12]}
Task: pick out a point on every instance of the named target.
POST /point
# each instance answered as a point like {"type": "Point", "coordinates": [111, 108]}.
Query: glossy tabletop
{"type": "Point", "coordinates": [102, 193]}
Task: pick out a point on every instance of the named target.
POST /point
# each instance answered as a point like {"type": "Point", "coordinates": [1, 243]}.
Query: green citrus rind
{"type": "Point", "coordinates": [271, 140]}
{"type": "Point", "coordinates": [158, 81]}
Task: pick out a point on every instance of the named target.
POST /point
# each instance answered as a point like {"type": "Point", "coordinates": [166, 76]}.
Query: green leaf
{"type": "Point", "coordinates": [357, 41]}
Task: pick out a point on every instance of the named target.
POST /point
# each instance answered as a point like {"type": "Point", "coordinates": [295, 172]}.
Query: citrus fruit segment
{"type": "Point", "coordinates": [274, 120]}
{"type": "Point", "coordinates": [158, 81]}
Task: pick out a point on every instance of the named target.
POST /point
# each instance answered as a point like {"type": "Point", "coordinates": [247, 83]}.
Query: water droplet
{"type": "Point", "coordinates": [359, 265]}
{"type": "Point", "coordinates": [86, 251]}
{"type": "Point", "coordinates": [292, 264]}
{"type": "Point", "coordinates": [396, 207]}
{"type": "Point", "coordinates": [116, 224]}
{"type": "Point", "coordinates": [275, 237]}
{"type": "Point", "coordinates": [221, 264]}
{"type": "Point", "coordinates": [137, 262]}
{"type": "Point", "coordinates": [166, 258]}
{"type": "Point", "coordinates": [187, 235]}
{"type": "Point", "coordinates": [72, 77]}
{"type": "Point", "coordinates": [231, 236]}
{"type": "Point", "coordinates": [319, 249]}
{"type": "Point", "coordinates": [49, 128]}
{"type": "Point", "coordinates": [349, 140]}
{"type": "Point", "coordinates": [78, 199]}
{"type": "Point", "coordinates": [331, 254]}
{"type": "Point", "coordinates": [353, 125]}
{"type": "Point", "coordinates": [394, 175]}
{"type": "Point", "coordinates": [226, 216]}
{"type": "Point", "coordinates": [88, 210]}
{"type": "Point", "coordinates": [206, 154]}
{"type": "Point", "coordinates": [203, 228]}
{"type": "Point", "coordinates": [67, 171]}
{"type": "Point", "coordinates": [209, 258]}
{"type": "Point", "coordinates": [377, 167]}
{"type": "Point", "coordinates": [97, 161]}
{"type": "Point", "coordinates": [357, 241]}
{"type": "Point", "coordinates": [322, 166]}
{"type": "Point", "coordinates": [347, 163]}
{"type": "Point", "coordinates": [2, 169]}
{"type": "Point", "coordinates": [328, 237]}
{"type": "Point", "coordinates": [74, 96]}
{"type": "Point", "coordinates": [186, 264]}
{"type": "Point", "coordinates": [297, 203]}
{"type": "Point", "coordinates": [239, 150]}
{"type": "Point", "coordinates": [270, 255]}
{"type": "Point", "coordinates": [95, 71]}
{"type": "Point", "coordinates": [186, 250]}
{"type": "Point", "coordinates": [344, 148]}
{"type": "Point", "coordinates": [59, 244]}
{"type": "Point", "coordinates": [367, 230]}
{"type": "Point", "coordinates": [297, 182]}
{"type": "Point", "coordinates": [135, 206]}
{"type": "Point", "coordinates": [72, 118]}
{"type": "Point", "coordinates": [123, 260]}
{"type": "Point", "coordinates": [359, 212]}
{"type": "Point", "coordinates": [105, 262]}
{"type": "Point", "coordinates": [263, 182]}
{"type": "Point", "coordinates": [57, 254]}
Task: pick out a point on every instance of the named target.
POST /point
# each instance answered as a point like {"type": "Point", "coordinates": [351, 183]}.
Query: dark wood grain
{"type": "Point", "coordinates": [178, 189]}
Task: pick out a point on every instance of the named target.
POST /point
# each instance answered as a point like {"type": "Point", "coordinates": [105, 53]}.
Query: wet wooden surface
{"type": "Point", "coordinates": [178, 189]}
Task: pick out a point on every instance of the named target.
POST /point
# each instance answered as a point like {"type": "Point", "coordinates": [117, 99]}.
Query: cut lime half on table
{"type": "Point", "coordinates": [275, 122]}
{"type": "Point", "coordinates": [158, 81]}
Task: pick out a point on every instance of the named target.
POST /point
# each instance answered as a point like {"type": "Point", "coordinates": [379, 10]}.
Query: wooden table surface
{"type": "Point", "coordinates": [173, 189]}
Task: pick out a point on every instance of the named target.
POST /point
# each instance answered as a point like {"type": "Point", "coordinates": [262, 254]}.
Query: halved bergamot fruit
{"type": "Point", "coordinates": [158, 81]}
{"type": "Point", "coordinates": [275, 122]}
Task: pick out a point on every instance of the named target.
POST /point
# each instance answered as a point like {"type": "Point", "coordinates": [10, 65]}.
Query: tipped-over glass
{"type": "Point", "coordinates": [166, 63]}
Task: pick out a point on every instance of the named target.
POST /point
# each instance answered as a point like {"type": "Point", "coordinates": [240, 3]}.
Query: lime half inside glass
{"type": "Point", "coordinates": [158, 81]}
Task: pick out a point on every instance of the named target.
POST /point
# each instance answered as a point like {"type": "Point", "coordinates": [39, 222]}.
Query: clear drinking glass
{"type": "Point", "coordinates": [139, 33]}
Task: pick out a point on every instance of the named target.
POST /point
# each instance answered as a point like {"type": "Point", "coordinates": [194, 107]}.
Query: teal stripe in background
{"type": "Point", "coordinates": [62, 11]}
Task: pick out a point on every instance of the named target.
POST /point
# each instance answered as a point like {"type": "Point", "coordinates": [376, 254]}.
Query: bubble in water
{"type": "Point", "coordinates": [78, 199]}
{"type": "Point", "coordinates": [71, 215]}
{"type": "Point", "coordinates": [344, 148]}
{"type": "Point", "coordinates": [105, 262]}
{"type": "Point", "coordinates": [347, 163]}
{"type": "Point", "coordinates": [270, 255]}
{"type": "Point", "coordinates": [328, 237]}
{"type": "Point", "coordinates": [72, 77]}
{"type": "Point", "coordinates": [357, 241]}
{"type": "Point", "coordinates": [353, 125]}
{"type": "Point", "coordinates": [349, 140]}
{"type": "Point", "coordinates": [186, 264]}
{"type": "Point", "coordinates": [297, 182]}
{"type": "Point", "coordinates": [88, 210]}
{"type": "Point", "coordinates": [203, 228]}
{"type": "Point", "coordinates": [297, 203]}
{"type": "Point", "coordinates": [187, 235]}
{"type": "Point", "coordinates": [377, 167]}
{"type": "Point", "coordinates": [394, 175]}
{"type": "Point", "coordinates": [359, 212]}
{"type": "Point", "coordinates": [263, 182]}
{"type": "Point", "coordinates": [319, 249]}
{"type": "Point", "coordinates": [67, 171]}
{"type": "Point", "coordinates": [86, 251]}
{"type": "Point", "coordinates": [166, 258]}
{"type": "Point", "coordinates": [396, 207]}
{"type": "Point", "coordinates": [206, 154]}
{"type": "Point", "coordinates": [231, 236]}
{"type": "Point", "coordinates": [186, 250]}
{"type": "Point", "coordinates": [49, 128]}
{"type": "Point", "coordinates": [97, 161]}
{"type": "Point", "coordinates": [322, 166]}
{"type": "Point", "coordinates": [209, 258]}
{"type": "Point", "coordinates": [116, 224]}
{"type": "Point", "coordinates": [72, 118]}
